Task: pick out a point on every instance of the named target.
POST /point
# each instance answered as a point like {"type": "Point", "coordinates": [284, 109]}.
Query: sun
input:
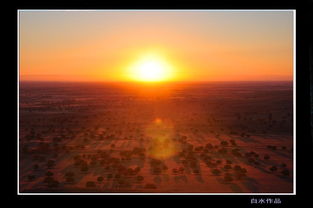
{"type": "Point", "coordinates": [151, 68]}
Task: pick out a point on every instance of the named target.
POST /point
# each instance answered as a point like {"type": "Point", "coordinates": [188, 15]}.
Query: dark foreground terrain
{"type": "Point", "coordinates": [170, 138]}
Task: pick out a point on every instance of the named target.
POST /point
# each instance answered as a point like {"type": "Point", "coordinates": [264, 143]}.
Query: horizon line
{"type": "Point", "coordinates": [206, 81]}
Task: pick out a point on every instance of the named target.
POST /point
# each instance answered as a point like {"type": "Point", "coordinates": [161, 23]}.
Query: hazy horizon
{"type": "Point", "coordinates": [157, 83]}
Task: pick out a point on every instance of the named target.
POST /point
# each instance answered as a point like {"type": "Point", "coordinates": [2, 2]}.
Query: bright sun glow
{"type": "Point", "coordinates": [151, 68]}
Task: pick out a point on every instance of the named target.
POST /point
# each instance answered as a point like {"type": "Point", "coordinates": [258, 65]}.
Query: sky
{"type": "Point", "coordinates": [197, 45]}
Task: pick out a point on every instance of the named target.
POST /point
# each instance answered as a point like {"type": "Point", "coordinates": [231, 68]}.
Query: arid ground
{"type": "Point", "coordinates": [215, 137]}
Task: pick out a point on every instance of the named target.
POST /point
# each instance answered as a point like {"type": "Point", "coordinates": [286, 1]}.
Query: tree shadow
{"type": "Point", "coordinates": [251, 184]}
{"type": "Point", "coordinates": [181, 178]}
{"type": "Point", "coordinates": [235, 188]}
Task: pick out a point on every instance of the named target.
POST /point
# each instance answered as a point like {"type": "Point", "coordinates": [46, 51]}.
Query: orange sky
{"type": "Point", "coordinates": [199, 45]}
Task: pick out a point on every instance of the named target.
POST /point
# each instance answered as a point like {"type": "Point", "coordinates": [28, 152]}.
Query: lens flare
{"type": "Point", "coordinates": [162, 145]}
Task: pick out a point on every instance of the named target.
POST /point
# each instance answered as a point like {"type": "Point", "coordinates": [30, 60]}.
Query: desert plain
{"type": "Point", "coordinates": [185, 137]}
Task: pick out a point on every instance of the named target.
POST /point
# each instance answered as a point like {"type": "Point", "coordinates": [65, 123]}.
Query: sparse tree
{"type": "Point", "coordinates": [100, 179]}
